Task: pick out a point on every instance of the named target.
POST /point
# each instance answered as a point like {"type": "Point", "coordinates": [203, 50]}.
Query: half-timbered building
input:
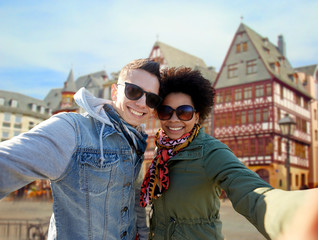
{"type": "Point", "coordinates": [256, 87]}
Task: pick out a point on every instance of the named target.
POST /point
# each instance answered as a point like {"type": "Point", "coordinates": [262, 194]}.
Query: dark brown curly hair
{"type": "Point", "coordinates": [191, 82]}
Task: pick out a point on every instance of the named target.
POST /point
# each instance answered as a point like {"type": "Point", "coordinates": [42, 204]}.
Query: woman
{"type": "Point", "coordinates": [190, 168]}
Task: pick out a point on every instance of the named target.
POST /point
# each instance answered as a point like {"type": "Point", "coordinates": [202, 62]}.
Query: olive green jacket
{"type": "Point", "coordinates": [189, 209]}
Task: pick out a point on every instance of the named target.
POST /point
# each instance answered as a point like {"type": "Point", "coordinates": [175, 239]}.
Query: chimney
{"type": "Point", "coordinates": [281, 45]}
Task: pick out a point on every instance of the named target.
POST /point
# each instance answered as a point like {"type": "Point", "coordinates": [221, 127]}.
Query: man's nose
{"type": "Point", "coordinates": [141, 101]}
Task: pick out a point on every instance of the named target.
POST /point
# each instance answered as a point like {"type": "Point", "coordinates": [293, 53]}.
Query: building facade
{"type": "Point", "coordinates": [309, 76]}
{"type": "Point", "coordinates": [255, 88]}
{"type": "Point", "coordinates": [19, 113]}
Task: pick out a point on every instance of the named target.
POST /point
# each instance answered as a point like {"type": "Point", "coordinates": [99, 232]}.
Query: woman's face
{"type": "Point", "coordinates": [174, 127]}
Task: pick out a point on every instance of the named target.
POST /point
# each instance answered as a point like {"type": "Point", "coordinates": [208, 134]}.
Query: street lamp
{"type": "Point", "coordinates": [287, 126]}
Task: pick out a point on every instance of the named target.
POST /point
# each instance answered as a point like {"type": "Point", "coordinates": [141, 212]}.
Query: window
{"type": "Point", "coordinates": [238, 48]}
{"type": "Point", "coordinates": [250, 116]}
{"type": "Point", "coordinates": [260, 148]}
{"type": "Point", "coordinates": [219, 97]}
{"type": "Point", "coordinates": [258, 115]}
{"type": "Point", "coordinates": [297, 99]}
{"type": "Point", "coordinates": [228, 95]}
{"type": "Point", "coordinates": [14, 103]}
{"type": "Point", "coordinates": [315, 114]}
{"type": "Point", "coordinates": [304, 125]}
{"type": "Point", "coordinates": [243, 117]}
{"type": "Point", "coordinates": [217, 120]}
{"type": "Point", "coordinates": [238, 94]}
{"type": "Point", "coordinates": [248, 93]}
{"type": "Point", "coordinates": [281, 92]}
{"type": "Point", "coordinates": [279, 143]}
{"type": "Point", "coordinates": [239, 148]}
{"type": "Point", "coordinates": [300, 150]}
{"type": "Point", "coordinates": [252, 147]}
{"type": "Point", "coordinates": [251, 67]}
{"type": "Point", "coordinates": [7, 117]}
{"type": "Point", "coordinates": [18, 118]}
{"type": "Point", "coordinates": [228, 119]}
{"type": "Point", "coordinates": [232, 71]}
{"type": "Point", "coordinates": [237, 118]}
{"type": "Point", "coordinates": [241, 47]}
{"type": "Point", "coordinates": [246, 147]}
{"type": "Point", "coordinates": [316, 135]}
{"type": "Point", "coordinates": [5, 134]}
{"type": "Point", "coordinates": [265, 115]}
{"type": "Point", "coordinates": [33, 107]}
{"type": "Point", "coordinates": [269, 146]}
{"type": "Point", "coordinates": [259, 91]}
{"type": "Point", "coordinates": [42, 110]}
{"type": "Point", "coordinates": [2, 101]}
{"type": "Point", "coordinates": [268, 89]}
{"type": "Point", "coordinates": [244, 46]}
{"type": "Point", "coordinates": [16, 133]}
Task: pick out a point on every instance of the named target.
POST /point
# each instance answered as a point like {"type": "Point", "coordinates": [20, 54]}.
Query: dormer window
{"type": "Point", "coordinates": [41, 109]}
{"type": "Point", "coordinates": [282, 59]}
{"type": "Point", "coordinates": [33, 107]}
{"type": "Point", "coordinates": [293, 77]}
{"type": "Point", "coordinates": [13, 103]}
{"type": "Point", "coordinates": [276, 67]}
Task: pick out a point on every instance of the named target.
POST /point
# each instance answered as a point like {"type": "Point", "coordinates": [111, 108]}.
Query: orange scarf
{"type": "Point", "coordinates": [157, 177]}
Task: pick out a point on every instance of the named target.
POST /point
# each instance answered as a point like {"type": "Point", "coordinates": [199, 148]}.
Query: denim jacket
{"type": "Point", "coordinates": [93, 172]}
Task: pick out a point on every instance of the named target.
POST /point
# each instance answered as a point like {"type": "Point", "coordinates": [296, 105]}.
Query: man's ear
{"type": "Point", "coordinates": [155, 114]}
{"type": "Point", "coordinates": [114, 92]}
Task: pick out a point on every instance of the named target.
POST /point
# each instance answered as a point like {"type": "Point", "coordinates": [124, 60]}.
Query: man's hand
{"type": "Point", "coordinates": [304, 226]}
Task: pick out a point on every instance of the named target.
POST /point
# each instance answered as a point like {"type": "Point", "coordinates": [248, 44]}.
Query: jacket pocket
{"type": "Point", "coordinates": [94, 174]}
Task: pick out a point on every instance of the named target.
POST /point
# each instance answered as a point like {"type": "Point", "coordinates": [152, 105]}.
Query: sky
{"type": "Point", "coordinates": [41, 41]}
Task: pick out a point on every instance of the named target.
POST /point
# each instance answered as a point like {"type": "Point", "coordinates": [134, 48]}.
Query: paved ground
{"type": "Point", "coordinates": [235, 227]}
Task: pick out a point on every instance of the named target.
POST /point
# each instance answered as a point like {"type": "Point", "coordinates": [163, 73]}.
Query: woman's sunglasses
{"type": "Point", "coordinates": [134, 92]}
{"type": "Point", "coordinates": [184, 112]}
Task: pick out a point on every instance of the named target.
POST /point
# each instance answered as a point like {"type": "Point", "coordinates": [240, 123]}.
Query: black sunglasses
{"type": "Point", "coordinates": [134, 92]}
{"type": "Point", "coordinates": [184, 112]}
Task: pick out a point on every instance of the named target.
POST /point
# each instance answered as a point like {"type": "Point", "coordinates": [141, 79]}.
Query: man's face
{"type": "Point", "coordinates": [134, 112]}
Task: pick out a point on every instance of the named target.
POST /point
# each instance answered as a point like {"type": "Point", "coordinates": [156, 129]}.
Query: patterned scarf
{"type": "Point", "coordinates": [157, 179]}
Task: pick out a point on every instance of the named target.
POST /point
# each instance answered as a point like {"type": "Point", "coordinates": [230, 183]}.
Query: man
{"type": "Point", "coordinates": [92, 160]}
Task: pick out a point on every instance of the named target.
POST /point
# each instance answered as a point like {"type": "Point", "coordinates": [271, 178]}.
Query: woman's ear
{"type": "Point", "coordinates": [114, 92]}
{"type": "Point", "coordinates": [197, 117]}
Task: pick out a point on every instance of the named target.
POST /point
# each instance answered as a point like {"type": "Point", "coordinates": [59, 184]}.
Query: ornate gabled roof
{"type": "Point", "coordinates": [174, 57]}
{"type": "Point", "coordinates": [69, 85]}
{"type": "Point", "coordinates": [53, 98]}
{"type": "Point", "coordinates": [309, 70]}
{"type": "Point", "coordinates": [271, 55]}
{"type": "Point", "coordinates": [24, 104]}
{"type": "Point", "coordinates": [96, 79]}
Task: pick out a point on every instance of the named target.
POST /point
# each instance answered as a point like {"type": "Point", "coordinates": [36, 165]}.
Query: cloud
{"type": "Point", "coordinates": [105, 35]}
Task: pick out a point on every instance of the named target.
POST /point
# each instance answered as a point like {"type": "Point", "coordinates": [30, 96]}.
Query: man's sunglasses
{"type": "Point", "coordinates": [184, 112]}
{"type": "Point", "coordinates": [134, 92]}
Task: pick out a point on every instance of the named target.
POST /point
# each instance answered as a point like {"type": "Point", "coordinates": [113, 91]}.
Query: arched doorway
{"type": "Point", "coordinates": [264, 174]}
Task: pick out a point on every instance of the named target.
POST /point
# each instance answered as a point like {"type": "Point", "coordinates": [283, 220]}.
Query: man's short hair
{"type": "Point", "coordinates": [147, 64]}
